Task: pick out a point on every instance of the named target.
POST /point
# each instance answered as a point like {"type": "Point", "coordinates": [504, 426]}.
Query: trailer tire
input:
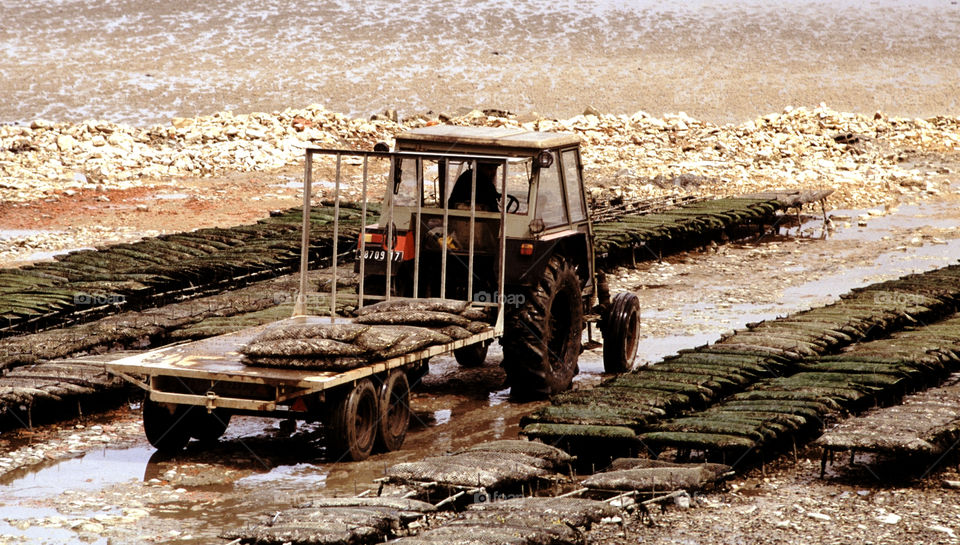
{"type": "Point", "coordinates": [166, 425]}
{"type": "Point", "coordinates": [541, 344]}
{"type": "Point", "coordinates": [621, 333]}
{"type": "Point", "coordinates": [352, 422]}
{"type": "Point", "coordinates": [472, 355]}
{"type": "Point", "coordinates": [207, 427]}
{"type": "Point", "coordinates": [394, 419]}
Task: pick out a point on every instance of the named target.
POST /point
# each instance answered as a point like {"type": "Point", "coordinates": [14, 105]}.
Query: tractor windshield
{"type": "Point", "coordinates": [453, 179]}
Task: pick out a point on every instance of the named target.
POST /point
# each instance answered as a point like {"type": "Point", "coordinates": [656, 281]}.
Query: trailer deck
{"type": "Point", "coordinates": [218, 364]}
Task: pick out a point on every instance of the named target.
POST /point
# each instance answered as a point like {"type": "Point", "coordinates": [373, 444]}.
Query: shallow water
{"type": "Point", "coordinates": [144, 62]}
{"type": "Point", "coordinates": [23, 496]}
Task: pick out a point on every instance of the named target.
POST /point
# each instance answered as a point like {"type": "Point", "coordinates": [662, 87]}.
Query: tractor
{"type": "Point", "coordinates": [503, 221]}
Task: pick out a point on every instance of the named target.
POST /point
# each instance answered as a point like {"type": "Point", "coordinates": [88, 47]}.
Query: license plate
{"type": "Point", "coordinates": [381, 255]}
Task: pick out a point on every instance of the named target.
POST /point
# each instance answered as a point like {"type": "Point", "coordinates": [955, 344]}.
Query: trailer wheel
{"type": "Point", "coordinates": [166, 425]}
{"type": "Point", "coordinates": [352, 422]}
{"type": "Point", "coordinates": [207, 427]}
{"type": "Point", "coordinates": [541, 344]}
{"type": "Point", "coordinates": [621, 333]}
{"type": "Point", "coordinates": [394, 419]}
{"type": "Point", "coordinates": [472, 355]}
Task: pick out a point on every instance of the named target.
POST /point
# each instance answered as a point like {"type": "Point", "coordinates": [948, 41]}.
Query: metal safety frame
{"type": "Point", "coordinates": [396, 159]}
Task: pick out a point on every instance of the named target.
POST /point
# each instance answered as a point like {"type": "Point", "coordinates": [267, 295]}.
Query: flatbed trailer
{"type": "Point", "coordinates": [194, 388]}
{"type": "Point", "coordinates": [211, 373]}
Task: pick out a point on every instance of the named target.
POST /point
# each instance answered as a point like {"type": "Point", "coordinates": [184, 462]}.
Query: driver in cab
{"type": "Point", "coordinates": [488, 199]}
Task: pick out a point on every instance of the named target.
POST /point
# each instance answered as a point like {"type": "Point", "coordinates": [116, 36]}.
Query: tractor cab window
{"type": "Point", "coordinates": [571, 180]}
{"type": "Point", "coordinates": [462, 174]}
{"type": "Point", "coordinates": [550, 205]}
{"type": "Point", "coordinates": [489, 184]}
{"type": "Point", "coordinates": [519, 176]}
{"type": "Point", "coordinates": [405, 186]}
{"type": "Point", "coordinates": [453, 180]}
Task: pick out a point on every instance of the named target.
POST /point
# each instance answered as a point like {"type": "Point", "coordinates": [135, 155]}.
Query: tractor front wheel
{"type": "Point", "coordinates": [621, 333]}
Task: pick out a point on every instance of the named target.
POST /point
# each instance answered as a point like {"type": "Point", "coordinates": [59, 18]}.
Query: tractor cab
{"type": "Point", "coordinates": [466, 184]}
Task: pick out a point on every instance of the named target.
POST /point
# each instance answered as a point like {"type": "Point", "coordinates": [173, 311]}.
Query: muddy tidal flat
{"type": "Point", "coordinates": [143, 62]}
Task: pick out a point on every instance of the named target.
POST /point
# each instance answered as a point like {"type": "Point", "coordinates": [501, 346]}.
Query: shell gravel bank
{"type": "Point", "coordinates": [867, 159]}
{"type": "Point", "coordinates": [788, 504]}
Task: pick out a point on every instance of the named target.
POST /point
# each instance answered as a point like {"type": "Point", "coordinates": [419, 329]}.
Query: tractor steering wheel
{"type": "Point", "coordinates": [513, 204]}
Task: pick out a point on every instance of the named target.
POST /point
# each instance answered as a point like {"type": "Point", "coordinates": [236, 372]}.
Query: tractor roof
{"type": "Point", "coordinates": [470, 139]}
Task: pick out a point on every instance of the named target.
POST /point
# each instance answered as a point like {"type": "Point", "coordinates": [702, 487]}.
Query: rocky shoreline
{"type": "Point", "coordinates": [867, 159]}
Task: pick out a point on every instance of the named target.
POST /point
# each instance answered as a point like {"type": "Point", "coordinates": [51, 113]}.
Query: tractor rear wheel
{"type": "Point", "coordinates": [541, 343]}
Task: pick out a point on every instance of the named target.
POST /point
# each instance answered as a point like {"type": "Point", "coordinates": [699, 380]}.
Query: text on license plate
{"type": "Point", "coordinates": [381, 255]}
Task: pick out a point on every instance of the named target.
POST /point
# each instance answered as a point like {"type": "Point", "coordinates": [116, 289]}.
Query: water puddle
{"type": "Point", "coordinates": [888, 265]}
{"type": "Point", "coordinates": [441, 417]}
{"type": "Point", "coordinates": [500, 396]}
{"type": "Point", "coordinates": [13, 525]}
{"type": "Point", "coordinates": [654, 349]}
{"type": "Point", "coordinates": [932, 216]}
{"type": "Point", "coordinates": [24, 497]}
{"type": "Point", "coordinates": [83, 473]}
{"type": "Point", "coordinates": [287, 477]}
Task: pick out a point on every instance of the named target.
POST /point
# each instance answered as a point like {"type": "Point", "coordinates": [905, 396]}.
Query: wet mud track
{"type": "Point", "coordinates": [115, 485]}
